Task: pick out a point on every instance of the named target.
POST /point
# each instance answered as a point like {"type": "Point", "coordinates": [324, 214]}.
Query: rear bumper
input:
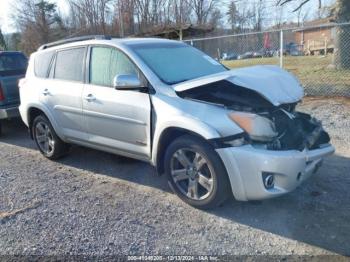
{"type": "Point", "coordinates": [245, 166]}
{"type": "Point", "coordinates": [10, 112]}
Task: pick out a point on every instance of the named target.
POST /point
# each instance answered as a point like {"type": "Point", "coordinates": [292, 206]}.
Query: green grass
{"type": "Point", "coordinates": [314, 72]}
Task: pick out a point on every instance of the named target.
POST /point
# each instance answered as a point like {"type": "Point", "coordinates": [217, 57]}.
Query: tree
{"type": "Point", "coordinates": [215, 18]}
{"type": "Point", "coordinates": [3, 45]}
{"type": "Point", "coordinates": [89, 16]}
{"type": "Point", "coordinates": [342, 41]}
{"type": "Point", "coordinates": [203, 9]}
{"type": "Point", "coordinates": [124, 16]}
{"type": "Point", "coordinates": [38, 22]}
{"type": "Point", "coordinates": [259, 11]}
{"type": "Point", "coordinates": [181, 13]}
{"type": "Point", "coordinates": [143, 14]}
{"type": "Point", "coordinates": [232, 15]}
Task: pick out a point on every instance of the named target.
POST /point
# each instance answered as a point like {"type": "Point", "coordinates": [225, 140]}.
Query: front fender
{"type": "Point", "coordinates": [191, 125]}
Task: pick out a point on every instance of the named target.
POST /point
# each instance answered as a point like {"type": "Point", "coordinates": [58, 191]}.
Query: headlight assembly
{"type": "Point", "coordinates": [259, 128]}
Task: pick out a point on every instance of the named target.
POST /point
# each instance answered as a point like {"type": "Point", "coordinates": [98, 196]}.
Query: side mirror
{"type": "Point", "coordinates": [126, 82]}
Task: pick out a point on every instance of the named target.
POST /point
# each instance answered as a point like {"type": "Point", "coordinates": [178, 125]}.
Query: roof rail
{"type": "Point", "coordinates": [75, 39]}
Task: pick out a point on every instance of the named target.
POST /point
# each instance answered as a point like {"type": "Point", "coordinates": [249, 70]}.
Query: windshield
{"type": "Point", "coordinates": [12, 62]}
{"type": "Point", "coordinates": [176, 62]}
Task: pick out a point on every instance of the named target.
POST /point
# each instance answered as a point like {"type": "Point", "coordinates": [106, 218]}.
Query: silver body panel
{"type": "Point", "coordinates": [125, 125]}
{"type": "Point", "coordinates": [245, 165]}
{"type": "Point", "coordinates": [119, 121]}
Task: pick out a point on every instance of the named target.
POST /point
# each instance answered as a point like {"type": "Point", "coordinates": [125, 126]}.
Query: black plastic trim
{"type": "Point", "coordinates": [220, 142]}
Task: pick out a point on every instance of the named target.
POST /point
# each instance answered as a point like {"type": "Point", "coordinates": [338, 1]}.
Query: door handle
{"type": "Point", "coordinates": [90, 98]}
{"type": "Point", "coordinates": [46, 92]}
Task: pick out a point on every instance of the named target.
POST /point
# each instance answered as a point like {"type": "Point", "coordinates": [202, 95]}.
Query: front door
{"type": "Point", "coordinates": [116, 119]}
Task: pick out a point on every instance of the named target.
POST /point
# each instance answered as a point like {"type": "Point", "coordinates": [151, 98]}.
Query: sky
{"type": "Point", "coordinates": [8, 27]}
{"type": "Point", "coordinates": [5, 13]}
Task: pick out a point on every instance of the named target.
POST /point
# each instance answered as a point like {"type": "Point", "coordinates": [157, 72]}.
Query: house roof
{"type": "Point", "coordinates": [317, 24]}
{"type": "Point", "coordinates": [172, 31]}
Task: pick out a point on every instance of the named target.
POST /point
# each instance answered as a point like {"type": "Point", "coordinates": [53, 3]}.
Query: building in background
{"type": "Point", "coordinates": [317, 36]}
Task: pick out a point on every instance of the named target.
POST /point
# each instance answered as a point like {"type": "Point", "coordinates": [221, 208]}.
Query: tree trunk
{"type": "Point", "coordinates": [342, 39]}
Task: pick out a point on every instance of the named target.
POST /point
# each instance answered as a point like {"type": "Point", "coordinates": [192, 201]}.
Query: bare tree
{"type": "Point", "coordinates": [302, 16]}
{"type": "Point", "coordinates": [89, 16]}
{"type": "Point", "coordinates": [203, 9]}
{"type": "Point", "coordinates": [143, 14]}
{"type": "Point", "coordinates": [181, 12]}
{"type": "Point", "coordinates": [124, 17]}
{"type": "Point", "coordinates": [259, 10]}
{"type": "Point", "coordinates": [38, 22]}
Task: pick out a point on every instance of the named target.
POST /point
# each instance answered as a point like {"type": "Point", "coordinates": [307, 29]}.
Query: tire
{"type": "Point", "coordinates": [0, 127]}
{"type": "Point", "coordinates": [201, 180]}
{"type": "Point", "coordinates": [46, 139]}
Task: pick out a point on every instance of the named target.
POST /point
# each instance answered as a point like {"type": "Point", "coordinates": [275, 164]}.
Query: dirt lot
{"type": "Point", "coordinates": [97, 203]}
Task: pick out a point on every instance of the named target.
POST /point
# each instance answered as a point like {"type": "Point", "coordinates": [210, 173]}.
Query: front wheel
{"type": "Point", "coordinates": [49, 144]}
{"type": "Point", "coordinates": [196, 173]}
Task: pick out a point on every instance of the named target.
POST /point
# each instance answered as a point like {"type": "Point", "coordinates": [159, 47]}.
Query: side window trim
{"type": "Point", "coordinates": [52, 66]}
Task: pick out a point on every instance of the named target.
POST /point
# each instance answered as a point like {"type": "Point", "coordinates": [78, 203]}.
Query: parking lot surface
{"type": "Point", "coordinates": [95, 203]}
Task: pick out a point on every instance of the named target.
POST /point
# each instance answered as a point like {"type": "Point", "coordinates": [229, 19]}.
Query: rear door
{"type": "Point", "coordinates": [118, 119]}
{"type": "Point", "coordinates": [12, 68]}
{"type": "Point", "coordinates": [62, 91]}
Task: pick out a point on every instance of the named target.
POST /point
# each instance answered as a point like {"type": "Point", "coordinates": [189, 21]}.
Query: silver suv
{"type": "Point", "coordinates": [211, 130]}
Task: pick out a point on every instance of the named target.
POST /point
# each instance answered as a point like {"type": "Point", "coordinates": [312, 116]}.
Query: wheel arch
{"type": "Point", "coordinates": [34, 111]}
{"type": "Point", "coordinates": [168, 135]}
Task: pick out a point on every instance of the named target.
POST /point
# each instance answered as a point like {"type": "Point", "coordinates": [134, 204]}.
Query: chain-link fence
{"type": "Point", "coordinates": [319, 56]}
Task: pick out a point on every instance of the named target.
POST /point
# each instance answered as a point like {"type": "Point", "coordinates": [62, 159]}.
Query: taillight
{"type": "Point", "coordinates": [2, 96]}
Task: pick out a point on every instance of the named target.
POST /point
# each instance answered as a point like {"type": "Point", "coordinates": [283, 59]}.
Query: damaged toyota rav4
{"type": "Point", "coordinates": [214, 132]}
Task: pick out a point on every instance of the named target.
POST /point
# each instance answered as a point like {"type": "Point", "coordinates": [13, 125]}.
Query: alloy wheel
{"type": "Point", "coordinates": [44, 138]}
{"type": "Point", "coordinates": [192, 174]}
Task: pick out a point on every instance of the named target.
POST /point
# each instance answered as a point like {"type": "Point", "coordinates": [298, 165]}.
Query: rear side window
{"type": "Point", "coordinates": [42, 62]}
{"type": "Point", "coordinates": [69, 64]}
{"type": "Point", "coordinates": [13, 63]}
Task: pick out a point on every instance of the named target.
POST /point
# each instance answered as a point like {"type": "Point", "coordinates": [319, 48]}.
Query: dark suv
{"type": "Point", "coordinates": [12, 67]}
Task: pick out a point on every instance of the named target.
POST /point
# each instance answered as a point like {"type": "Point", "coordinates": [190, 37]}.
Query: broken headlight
{"type": "Point", "coordinates": [258, 128]}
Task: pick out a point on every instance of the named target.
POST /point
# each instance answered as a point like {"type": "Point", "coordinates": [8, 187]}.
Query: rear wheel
{"type": "Point", "coordinates": [49, 144]}
{"type": "Point", "coordinates": [196, 173]}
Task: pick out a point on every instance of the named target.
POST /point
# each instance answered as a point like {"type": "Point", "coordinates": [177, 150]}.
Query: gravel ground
{"type": "Point", "coordinates": [95, 203]}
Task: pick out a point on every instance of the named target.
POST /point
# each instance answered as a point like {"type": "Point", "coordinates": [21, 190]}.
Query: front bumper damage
{"type": "Point", "coordinates": [277, 141]}
{"type": "Point", "coordinates": [246, 165]}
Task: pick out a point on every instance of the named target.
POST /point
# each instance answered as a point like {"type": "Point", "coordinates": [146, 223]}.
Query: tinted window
{"type": "Point", "coordinates": [176, 62]}
{"type": "Point", "coordinates": [42, 62]}
{"type": "Point", "coordinates": [69, 64]}
{"type": "Point", "coordinates": [13, 62]}
{"type": "Point", "coordinates": [106, 63]}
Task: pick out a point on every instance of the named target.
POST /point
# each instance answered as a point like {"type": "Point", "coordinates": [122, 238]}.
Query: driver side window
{"type": "Point", "coordinates": [106, 63]}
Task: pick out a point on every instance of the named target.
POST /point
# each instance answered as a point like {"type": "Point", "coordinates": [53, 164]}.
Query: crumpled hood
{"type": "Point", "coordinates": [273, 83]}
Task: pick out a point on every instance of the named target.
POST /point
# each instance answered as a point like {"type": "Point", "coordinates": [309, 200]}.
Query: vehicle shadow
{"type": "Point", "coordinates": [317, 213]}
{"type": "Point", "coordinates": [16, 133]}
